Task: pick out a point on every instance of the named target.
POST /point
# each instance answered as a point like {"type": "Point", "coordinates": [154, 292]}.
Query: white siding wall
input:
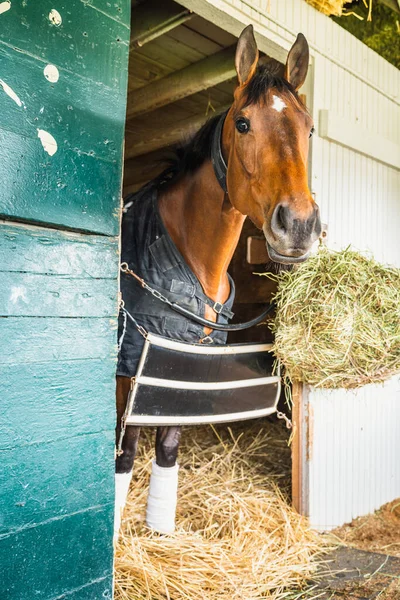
{"type": "Point", "coordinates": [354, 438]}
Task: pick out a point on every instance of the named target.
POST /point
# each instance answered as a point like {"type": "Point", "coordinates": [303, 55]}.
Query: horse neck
{"type": "Point", "coordinates": [204, 226]}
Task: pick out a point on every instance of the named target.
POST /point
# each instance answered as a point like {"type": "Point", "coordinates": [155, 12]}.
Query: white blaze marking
{"type": "Point", "coordinates": [4, 7]}
{"type": "Point", "coordinates": [55, 17]}
{"type": "Point", "coordinates": [10, 93]}
{"type": "Point", "coordinates": [51, 73]}
{"type": "Point", "coordinates": [18, 293]}
{"type": "Point", "coordinates": [278, 104]}
{"type": "Point", "coordinates": [48, 142]}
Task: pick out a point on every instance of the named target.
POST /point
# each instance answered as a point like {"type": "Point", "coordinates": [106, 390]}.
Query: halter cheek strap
{"type": "Point", "coordinates": [218, 162]}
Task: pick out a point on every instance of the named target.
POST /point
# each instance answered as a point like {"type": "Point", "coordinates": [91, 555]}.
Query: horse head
{"type": "Point", "coordinates": [265, 141]}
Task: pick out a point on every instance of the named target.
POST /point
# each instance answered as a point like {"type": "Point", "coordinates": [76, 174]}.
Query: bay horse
{"type": "Point", "coordinates": [264, 142]}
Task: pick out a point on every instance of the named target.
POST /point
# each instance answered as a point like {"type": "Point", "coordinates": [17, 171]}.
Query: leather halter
{"type": "Point", "coordinates": [217, 159]}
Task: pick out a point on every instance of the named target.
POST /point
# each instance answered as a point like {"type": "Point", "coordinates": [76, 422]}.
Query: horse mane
{"type": "Point", "coordinates": [189, 156]}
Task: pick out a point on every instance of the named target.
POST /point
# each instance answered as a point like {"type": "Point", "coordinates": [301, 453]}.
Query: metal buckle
{"type": "Point", "coordinates": [218, 307]}
{"type": "Point", "coordinates": [206, 340]}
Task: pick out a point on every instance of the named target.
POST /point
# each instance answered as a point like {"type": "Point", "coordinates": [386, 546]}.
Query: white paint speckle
{"type": "Point", "coordinates": [18, 293]}
{"type": "Point", "coordinates": [48, 142]}
{"type": "Point", "coordinates": [4, 7]}
{"type": "Point", "coordinates": [278, 104]}
{"type": "Point", "coordinates": [55, 17]}
{"type": "Point", "coordinates": [10, 92]}
{"type": "Point", "coordinates": [51, 73]}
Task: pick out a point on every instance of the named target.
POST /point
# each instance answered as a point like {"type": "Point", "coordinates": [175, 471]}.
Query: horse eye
{"type": "Point", "coordinates": [311, 132]}
{"type": "Point", "coordinates": [242, 125]}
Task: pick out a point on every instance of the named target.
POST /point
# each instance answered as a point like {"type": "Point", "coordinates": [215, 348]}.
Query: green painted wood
{"type": "Point", "coordinates": [57, 403]}
{"type": "Point", "coordinates": [98, 590]}
{"type": "Point", "coordinates": [38, 340]}
{"type": "Point", "coordinates": [46, 251]}
{"type": "Point", "coordinates": [68, 189]}
{"type": "Point", "coordinates": [64, 108]}
{"type": "Point", "coordinates": [43, 402]}
{"type": "Point", "coordinates": [43, 481]}
{"type": "Point", "coordinates": [64, 554]}
{"type": "Point", "coordinates": [89, 42]}
{"type": "Point", "coordinates": [26, 294]}
{"type": "Point", "coordinates": [78, 186]}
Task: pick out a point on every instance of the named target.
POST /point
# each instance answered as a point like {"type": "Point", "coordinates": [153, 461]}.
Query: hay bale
{"type": "Point", "coordinates": [237, 537]}
{"type": "Point", "coordinates": [328, 7]}
{"type": "Point", "coordinates": [337, 323]}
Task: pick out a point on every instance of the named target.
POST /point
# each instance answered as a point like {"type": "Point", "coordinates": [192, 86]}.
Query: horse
{"type": "Point", "coordinates": [264, 142]}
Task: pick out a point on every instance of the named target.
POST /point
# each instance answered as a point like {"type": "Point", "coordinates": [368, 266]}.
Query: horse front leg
{"type": "Point", "coordinates": [124, 462]}
{"type": "Point", "coordinates": [162, 499]}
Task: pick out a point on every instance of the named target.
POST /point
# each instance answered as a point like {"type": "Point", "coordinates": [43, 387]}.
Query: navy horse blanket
{"type": "Point", "coordinates": [151, 254]}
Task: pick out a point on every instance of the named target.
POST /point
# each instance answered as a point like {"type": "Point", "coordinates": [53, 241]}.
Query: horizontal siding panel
{"type": "Point", "coordinates": [35, 250]}
{"type": "Point", "coordinates": [31, 295]}
{"type": "Point", "coordinates": [37, 340]}
{"type": "Point", "coordinates": [65, 108]}
{"type": "Point", "coordinates": [42, 402]}
{"type": "Point", "coordinates": [43, 481]}
{"type": "Point", "coordinates": [83, 36]}
{"type": "Point", "coordinates": [68, 189]}
{"type": "Point", "coordinates": [101, 589]}
{"type": "Point", "coordinates": [62, 555]}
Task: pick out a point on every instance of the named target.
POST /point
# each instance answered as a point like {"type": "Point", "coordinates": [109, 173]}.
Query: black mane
{"type": "Point", "coordinates": [190, 156]}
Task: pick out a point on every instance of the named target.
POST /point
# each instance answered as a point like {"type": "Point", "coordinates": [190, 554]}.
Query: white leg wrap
{"type": "Point", "coordinates": [161, 502]}
{"type": "Point", "coordinates": [122, 481]}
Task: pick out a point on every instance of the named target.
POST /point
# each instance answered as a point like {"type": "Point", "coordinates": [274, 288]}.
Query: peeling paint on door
{"type": "Point", "coordinates": [10, 92]}
{"type": "Point", "coordinates": [51, 73]}
{"type": "Point", "coordinates": [4, 7]}
{"type": "Point", "coordinates": [55, 17]}
{"type": "Point", "coordinates": [48, 142]}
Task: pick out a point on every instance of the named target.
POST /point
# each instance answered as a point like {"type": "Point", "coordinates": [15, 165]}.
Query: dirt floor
{"type": "Point", "coordinates": [367, 566]}
{"type": "Point", "coordinates": [379, 532]}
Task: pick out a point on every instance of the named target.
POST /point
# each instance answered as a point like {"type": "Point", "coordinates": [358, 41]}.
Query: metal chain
{"type": "Point", "coordinates": [140, 328]}
{"type": "Point", "coordinates": [281, 415]}
{"type": "Point", "coordinates": [125, 269]}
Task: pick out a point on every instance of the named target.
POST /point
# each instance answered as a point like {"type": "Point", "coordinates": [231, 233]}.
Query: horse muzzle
{"type": "Point", "coordinates": [284, 258]}
{"type": "Point", "coordinates": [290, 235]}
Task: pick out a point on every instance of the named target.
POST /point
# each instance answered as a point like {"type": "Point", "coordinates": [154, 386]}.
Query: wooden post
{"type": "Point", "coordinates": [297, 458]}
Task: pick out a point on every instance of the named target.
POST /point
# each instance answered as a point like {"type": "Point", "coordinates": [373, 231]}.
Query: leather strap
{"type": "Point", "coordinates": [218, 162]}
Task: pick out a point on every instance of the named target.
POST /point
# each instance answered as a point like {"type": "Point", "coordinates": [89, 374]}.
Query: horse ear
{"type": "Point", "coordinates": [246, 57]}
{"type": "Point", "coordinates": [297, 62]}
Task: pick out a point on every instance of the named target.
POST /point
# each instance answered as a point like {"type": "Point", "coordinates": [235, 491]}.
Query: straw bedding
{"type": "Point", "coordinates": [338, 320]}
{"type": "Point", "coordinates": [236, 538]}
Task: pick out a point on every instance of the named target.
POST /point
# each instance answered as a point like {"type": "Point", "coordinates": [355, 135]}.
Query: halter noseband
{"type": "Point", "coordinates": [218, 162]}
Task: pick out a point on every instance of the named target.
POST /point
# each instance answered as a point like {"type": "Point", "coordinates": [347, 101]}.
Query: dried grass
{"type": "Point", "coordinates": [338, 320]}
{"type": "Point", "coordinates": [237, 537]}
{"type": "Point", "coordinates": [328, 7]}
{"type": "Point", "coordinates": [336, 8]}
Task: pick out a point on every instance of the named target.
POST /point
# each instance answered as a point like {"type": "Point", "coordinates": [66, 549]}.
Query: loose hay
{"type": "Point", "coordinates": [237, 537]}
{"type": "Point", "coordinates": [328, 7]}
{"type": "Point", "coordinates": [337, 8]}
{"type": "Point", "coordinates": [338, 320]}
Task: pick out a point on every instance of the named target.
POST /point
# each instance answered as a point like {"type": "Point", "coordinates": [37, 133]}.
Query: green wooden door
{"type": "Point", "coordinates": [63, 77]}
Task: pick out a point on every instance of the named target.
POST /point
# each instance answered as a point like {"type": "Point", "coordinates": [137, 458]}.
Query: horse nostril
{"type": "Point", "coordinates": [281, 219]}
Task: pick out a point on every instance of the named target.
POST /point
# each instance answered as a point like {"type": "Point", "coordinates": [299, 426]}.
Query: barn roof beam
{"type": "Point", "coordinates": [205, 73]}
{"type": "Point", "coordinates": [168, 136]}
{"type": "Point", "coordinates": [154, 18]}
